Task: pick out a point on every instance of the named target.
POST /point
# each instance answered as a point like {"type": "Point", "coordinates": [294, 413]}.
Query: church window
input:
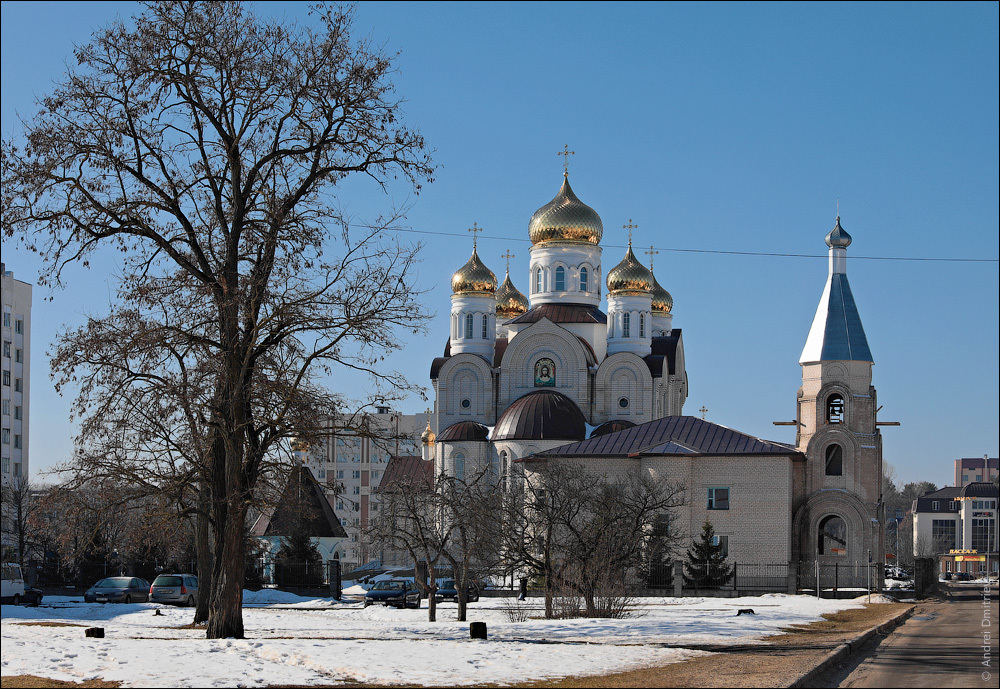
{"type": "Point", "coordinates": [623, 403]}
{"type": "Point", "coordinates": [468, 326]}
{"type": "Point", "coordinates": [642, 325]}
{"type": "Point", "coordinates": [560, 279]}
{"type": "Point", "coordinates": [583, 279]}
{"type": "Point", "coordinates": [485, 325]}
{"type": "Point", "coordinates": [460, 466]}
{"type": "Point", "coordinates": [626, 317]}
{"type": "Point", "coordinates": [466, 403]}
{"type": "Point", "coordinates": [834, 460]}
{"type": "Point", "coordinates": [835, 409]}
{"type": "Point", "coordinates": [718, 498]}
{"type": "Point", "coordinates": [538, 279]}
{"type": "Point", "coordinates": [832, 536]}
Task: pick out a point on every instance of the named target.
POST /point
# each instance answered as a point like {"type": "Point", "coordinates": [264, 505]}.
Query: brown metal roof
{"type": "Point", "coordinates": [563, 313]}
{"type": "Point", "coordinates": [464, 430]}
{"type": "Point", "coordinates": [406, 470]}
{"type": "Point", "coordinates": [541, 415]}
{"type": "Point", "coordinates": [674, 435]}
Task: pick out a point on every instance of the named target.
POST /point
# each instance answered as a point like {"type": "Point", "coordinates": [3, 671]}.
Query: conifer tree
{"type": "Point", "coordinates": [706, 561]}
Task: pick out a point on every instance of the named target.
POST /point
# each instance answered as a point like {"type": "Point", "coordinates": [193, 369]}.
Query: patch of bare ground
{"type": "Point", "coordinates": [47, 623]}
{"type": "Point", "coordinates": [31, 681]}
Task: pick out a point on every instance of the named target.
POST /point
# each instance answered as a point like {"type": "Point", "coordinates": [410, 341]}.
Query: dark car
{"type": "Point", "coordinates": [398, 592]}
{"type": "Point", "coordinates": [946, 576]}
{"type": "Point", "coordinates": [32, 596]}
{"type": "Point", "coordinates": [118, 590]}
{"type": "Point", "coordinates": [448, 591]}
{"type": "Point", "coordinates": [961, 576]}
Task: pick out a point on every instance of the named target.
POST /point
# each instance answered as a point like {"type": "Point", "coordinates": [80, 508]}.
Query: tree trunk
{"type": "Point", "coordinates": [225, 612]}
{"type": "Point", "coordinates": [204, 550]}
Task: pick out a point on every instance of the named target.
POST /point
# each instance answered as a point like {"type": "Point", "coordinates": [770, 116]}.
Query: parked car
{"type": "Point", "coordinates": [13, 583]}
{"type": "Point", "coordinates": [961, 576]}
{"type": "Point", "coordinates": [946, 576]}
{"type": "Point", "coordinates": [398, 592]}
{"type": "Point", "coordinates": [32, 596]}
{"type": "Point", "coordinates": [448, 591]}
{"type": "Point", "coordinates": [118, 590]}
{"type": "Point", "coordinates": [177, 589]}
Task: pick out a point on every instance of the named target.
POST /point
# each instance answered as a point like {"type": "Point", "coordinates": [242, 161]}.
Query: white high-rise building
{"type": "Point", "coordinates": [16, 364]}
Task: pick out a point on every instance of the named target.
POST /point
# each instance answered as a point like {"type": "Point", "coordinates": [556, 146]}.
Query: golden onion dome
{"type": "Point", "coordinates": [662, 301]}
{"type": "Point", "coordinates": [565, 219]}
{"type": "Point", "coordinates": [474, 278]}
{"type": "Point", "coordinates": [428, 437]}
{"type": "Point", "coordinates": [630, 276]}
{"type": "Point", "coordinates": [510, 302]}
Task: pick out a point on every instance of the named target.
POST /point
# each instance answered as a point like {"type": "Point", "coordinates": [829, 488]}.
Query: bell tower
{"type": "Point", "coordinates": [838, 518]}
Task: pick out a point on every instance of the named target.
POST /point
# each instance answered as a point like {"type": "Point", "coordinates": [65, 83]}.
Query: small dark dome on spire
{"type": "Point", "coordinates": [838, 237]}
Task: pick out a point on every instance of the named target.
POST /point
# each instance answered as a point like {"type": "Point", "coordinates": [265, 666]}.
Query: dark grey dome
{"type": "Point", "coordinates": [463, 430]}
{"type": "Point", "coordinates": [542, 415]}
{"type": "Point", "coordinates": [611, 427]}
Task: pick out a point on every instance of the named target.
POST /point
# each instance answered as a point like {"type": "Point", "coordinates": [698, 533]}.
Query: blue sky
{"type": "Point", "coordinates": [715, 127]}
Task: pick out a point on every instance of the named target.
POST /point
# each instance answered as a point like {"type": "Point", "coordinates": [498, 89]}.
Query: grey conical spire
{"type": "Point", "coordinates": [836, 333]}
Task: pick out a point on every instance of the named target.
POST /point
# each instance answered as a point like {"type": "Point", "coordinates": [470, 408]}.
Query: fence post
{"type": "Point", "coordinates": [792, 578]}
{"type": "Point", "coordinates": [818, 589]}
{"type": "Point", "coordinates": [836, 577]}
{"type": "Point", "coordinates": [678, 578]}
{"type": "Point", "coordinates": [734, 576]}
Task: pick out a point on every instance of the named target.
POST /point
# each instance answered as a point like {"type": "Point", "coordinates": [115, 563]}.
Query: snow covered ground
{"type": "Point", "coordinates": [293, 640]}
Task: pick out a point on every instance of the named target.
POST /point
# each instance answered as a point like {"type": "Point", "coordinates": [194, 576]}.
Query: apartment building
{"type": "Point", "coordinates": [16, 367]}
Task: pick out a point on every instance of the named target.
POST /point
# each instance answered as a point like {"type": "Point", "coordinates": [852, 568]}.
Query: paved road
{"type": "Point", "coordinates": [942, 645]}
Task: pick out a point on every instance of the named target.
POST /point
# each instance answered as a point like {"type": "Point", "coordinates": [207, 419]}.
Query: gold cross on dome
{"type": "Point", "coordinates": [652, 252]}
{"type": "Point", "coordinates": [475, 230]}
{"type": "Point", "coordinates": [508, 256]}
{"type": "Point", "coordinates": [566, 153]}
{"type": "Point", "coordinates": [703, 411]}
{"type": "Point", "coordinates": [630, 227]}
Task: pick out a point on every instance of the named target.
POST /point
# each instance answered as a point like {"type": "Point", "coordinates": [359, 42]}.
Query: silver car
{"type": "Point", "coordinates": [179, 589]}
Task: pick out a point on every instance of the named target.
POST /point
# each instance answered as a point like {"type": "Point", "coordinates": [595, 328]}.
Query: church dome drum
{"type": "Point", "coordinates": [474, 278]}
{"type": "Point", "coordinates": [510, 302]}
{"type": "Point", "coordinates": [565, 219]}
{"type": "Point", "coordinates": [663, 303]}
{"type": "Point", "coordinates": [542, 415]}
{"type": "Point", "coordinates": [630, 277]}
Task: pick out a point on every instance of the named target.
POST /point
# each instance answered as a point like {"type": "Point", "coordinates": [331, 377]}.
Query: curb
{"type": "Point", "coordinates": [845, 650]}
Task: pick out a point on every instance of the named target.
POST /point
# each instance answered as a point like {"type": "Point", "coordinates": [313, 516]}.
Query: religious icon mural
{"type": "Point", "coordinates": [545, 373]}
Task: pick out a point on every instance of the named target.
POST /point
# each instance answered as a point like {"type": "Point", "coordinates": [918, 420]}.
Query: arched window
{"type": "Point", "coordinates": [560, 279]}
{"type": "Point", "coordinates": [459, 466]}
{"type": "Point", "coordinates": [485, 324]}
{"type": "Point", "coordinates": [642, 325]}
{"type": "Point", "coordinates": [834, 460]}
{"type": "Point", "coordinates": [835, 409]}
{"type": "Point", "coordinates": [468, 326]}
{"type": "Point", "coordinates": [832, 537]}
{"type": "Point", "coordinates": [538, 279]}
{"type": "Point", "coordinates": [583, 279]}
{"type": "Point", "coordinates": [626, 317]}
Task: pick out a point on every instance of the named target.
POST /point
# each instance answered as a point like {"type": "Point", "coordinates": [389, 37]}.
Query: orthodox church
{"type": "Point", "coordinates": [549, 377]}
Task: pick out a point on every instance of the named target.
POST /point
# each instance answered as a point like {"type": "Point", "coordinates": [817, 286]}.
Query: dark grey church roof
{"type": "Point", "coordinates": [682, 435]}
{"type": "Point", "coordinates": [836, 333]}
{"type": "Point", "coordinates": [302, 500]}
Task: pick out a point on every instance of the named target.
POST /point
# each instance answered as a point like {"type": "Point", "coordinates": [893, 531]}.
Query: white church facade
{"type": "Point", "coordinates": [549, 377]}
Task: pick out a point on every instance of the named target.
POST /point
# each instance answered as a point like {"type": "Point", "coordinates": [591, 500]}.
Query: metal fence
{"type": "Point", "coordinates": [781, 577]}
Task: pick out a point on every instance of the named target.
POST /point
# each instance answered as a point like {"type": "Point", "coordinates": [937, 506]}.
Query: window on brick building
{"type": "Point", "coordinates": [718, 498]}
{"type": "Point", "coordinates": [834, 460]}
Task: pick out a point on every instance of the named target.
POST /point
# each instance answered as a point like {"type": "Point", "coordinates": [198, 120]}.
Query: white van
{"type": "Point", "coordinates": [12, 589]}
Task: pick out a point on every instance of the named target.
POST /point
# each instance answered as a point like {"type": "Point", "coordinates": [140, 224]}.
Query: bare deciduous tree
{"type": "Point", "coordinates": [585, 534]}
{"type": "Point", "coordinates": [205, 145]}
